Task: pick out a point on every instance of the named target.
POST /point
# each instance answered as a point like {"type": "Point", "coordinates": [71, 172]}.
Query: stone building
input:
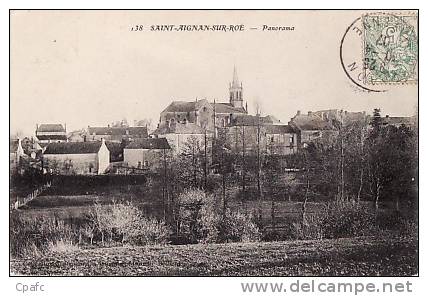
{"type": "Point", "coordinates": [146, 153]}
{"type": "Point", "coordinates": [81, 158]}
{"type": "Point", "coordinates": [179, 135]}
{"type": "Point", "coordinates": [280, 139]}
{"type": "Point", "coordinates": [310, 127]}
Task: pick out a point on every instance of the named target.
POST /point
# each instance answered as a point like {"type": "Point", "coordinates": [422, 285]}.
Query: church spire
{"type": "Point", "coordinates": [235, 81]}
{"type": "Point", "coordinates": [235, 90]}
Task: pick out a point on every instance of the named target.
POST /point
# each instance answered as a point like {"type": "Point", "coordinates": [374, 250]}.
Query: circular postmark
{"type": "Point", "coordinates": [379, 50]}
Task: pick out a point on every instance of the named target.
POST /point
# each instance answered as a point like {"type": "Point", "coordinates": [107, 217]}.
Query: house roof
{"type": "Point", "coordinates": [119, 131]}
{"type": "Point", "coordinates": [279, 129]}
{"type": "Point", "coordinates": [73, 148]}
{"type": "Point", "coordinates": [252, 120]}
{"type": "Point", "coordinates": [398, 120]}
{"type": "Point", "coordinates": [50, 127]}
{"type": "Point", "coordinates": [227, 108]}
{"type": "Point", "coordinates": [51, 137]}
{"type": "Point", "coordinates": [151, 143]}
{"type": "Point", "coordinates": [180, 128]}
{"type": "Point", "coordinates": [311, 122]}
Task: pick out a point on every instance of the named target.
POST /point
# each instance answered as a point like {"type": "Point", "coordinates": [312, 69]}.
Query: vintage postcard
{"type": "Point", "coordinates": [214, 143]}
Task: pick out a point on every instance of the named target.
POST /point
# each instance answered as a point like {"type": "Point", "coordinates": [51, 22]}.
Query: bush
{"type": "Point", "coordinates": [125, 223]}
{"type": "Point", "coordinates": [148, 232]}
{"type": "Point", "coordinates": [202, 220]}
{"type": "Point", "coordinates": [237, 227]}
{"type": "Point", "coordinates": [33, 237]}
{"type": "Point", "coordinates": [345, 220]}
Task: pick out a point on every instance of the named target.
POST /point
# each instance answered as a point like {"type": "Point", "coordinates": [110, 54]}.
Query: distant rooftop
{"type": "Point", "coordinates": [151, 143]}
{"type": "Point", "coordinates": [130, 130]}
{"type": "Point", "coordinates": [50, 127]}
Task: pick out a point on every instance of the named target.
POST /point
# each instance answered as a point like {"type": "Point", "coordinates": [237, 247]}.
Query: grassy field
{"type": "Point", "coordinates": [342, 257]}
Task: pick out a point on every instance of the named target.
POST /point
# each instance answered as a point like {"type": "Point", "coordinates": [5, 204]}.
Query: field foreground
{"type": "Point", "coordinates": [391, 256]}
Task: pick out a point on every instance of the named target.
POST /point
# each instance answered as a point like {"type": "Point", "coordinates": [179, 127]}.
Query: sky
{"type": "Point", "coordinates": [89, 68]}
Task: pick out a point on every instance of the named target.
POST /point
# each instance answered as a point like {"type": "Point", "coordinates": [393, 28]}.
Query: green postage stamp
{"type": "Point", "coordinates": [390, 47]}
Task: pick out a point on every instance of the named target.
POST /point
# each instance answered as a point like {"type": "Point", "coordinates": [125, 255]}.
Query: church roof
{"type": "Point", "coordinates": [180, 128]}
{"type": "Point", "coordinates": [184, 106]}
{"type": "Point", "coordinates": [227, 108]}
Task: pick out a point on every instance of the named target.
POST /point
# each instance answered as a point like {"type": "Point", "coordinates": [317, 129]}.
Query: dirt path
{"type": "Point", "coordinates": [342, 257]}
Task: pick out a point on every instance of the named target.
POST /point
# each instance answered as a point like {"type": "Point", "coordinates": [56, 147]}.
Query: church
{"type": "Point", "coordinates": [206, 114]}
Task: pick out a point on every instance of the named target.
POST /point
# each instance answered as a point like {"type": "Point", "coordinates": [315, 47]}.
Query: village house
{"type": "Point", "coordinates": [280, 139]}
{"type": "Point", "coordinates": [146, 153]}
{"type": "Point", "coordinates": [340, 117]}
{"type": "Point", "coordinates": [51, 133]}
{"type": "Point", "coordinates": [116, 133]}
{"type": "Point", "coordinates": [275, 137]}
{"type": "Point", "coordinates": [396, 121]}
{"type": "Point", "coordinates": [178, 135]}
{"type": "Point", "coordinates": [15, 153]}
{"type": "Point", "coordinates": [206, 114]}
{"type": "Point", "coordinates": [310, 127]}
{"type": "Point", "coordinates": [81, 158]}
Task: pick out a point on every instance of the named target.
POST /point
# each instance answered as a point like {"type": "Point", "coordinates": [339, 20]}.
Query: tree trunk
{"type": "Point", "coordinates": [304, 222]}
{"type": "Point", "coordinates": [361, 185]}
{"type": "Point", "coordinates": [273, 212]}
{"type": "Point", "coordinates": [378, 187]}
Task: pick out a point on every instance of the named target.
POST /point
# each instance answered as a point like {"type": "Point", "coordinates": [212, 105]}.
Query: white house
{"type": "Point", "coordinates": [81, 158]}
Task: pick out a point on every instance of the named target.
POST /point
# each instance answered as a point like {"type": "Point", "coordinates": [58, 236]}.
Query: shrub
{"type": "Point", "coordinates": [338, 220]}
{"type": "Point", "coordinates": [125, 223]}
{"type": "Point", "coordinates": [148, 232]}
{"type": "Point", "coordinates": [32, 237]}
{"type": "Point", "coordinates": [62, 246]}
{"type": "Point", "coordinates": [238, 227]}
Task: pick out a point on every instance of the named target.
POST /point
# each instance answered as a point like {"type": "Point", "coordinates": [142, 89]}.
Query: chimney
{"type": "Point", "coordinates": [309, 113]}
{"type": "Point", "coordinates": [37, 126]}
{"type": "Point", "coordinates": [65, 127]}
{"type": "Point", "coordinates": [387, 115]}
{"type": "Point", "coordinates": [298, 112]}
{"type": "Point", "coordinates": [103, 142]}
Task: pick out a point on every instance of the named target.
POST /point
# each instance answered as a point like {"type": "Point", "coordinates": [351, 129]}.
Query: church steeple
{"type": "Point", "coordinates": [235, 90]}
